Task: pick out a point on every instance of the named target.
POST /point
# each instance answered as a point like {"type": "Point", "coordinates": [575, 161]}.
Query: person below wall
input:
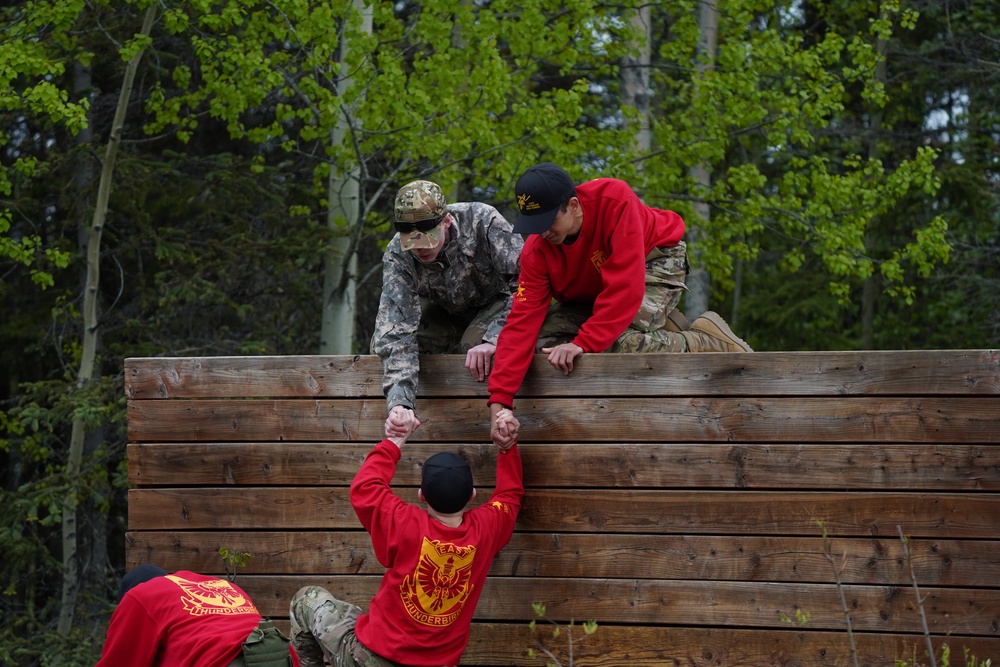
{"type": "Point", "coordinates": [187, 619]}
{"type": "Point", "coordinates": [436, 559]}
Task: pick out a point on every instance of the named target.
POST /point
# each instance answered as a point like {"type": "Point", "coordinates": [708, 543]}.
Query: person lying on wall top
{"type": "Point", "coordinates": [616, 270]}
{"type": "Point", "coordinates": [448, 277]}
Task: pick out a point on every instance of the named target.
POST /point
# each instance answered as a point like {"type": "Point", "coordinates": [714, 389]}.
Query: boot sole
{"type": "Point", "coordinates": [722, 330]}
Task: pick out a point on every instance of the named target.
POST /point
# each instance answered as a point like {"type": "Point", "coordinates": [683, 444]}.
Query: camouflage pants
{"type": "Point", "coordinates": [666, 272]}
{"type": "Point", "coordinates": [441, 332]}
{"type": "Point", "coordinates": [323, 626]}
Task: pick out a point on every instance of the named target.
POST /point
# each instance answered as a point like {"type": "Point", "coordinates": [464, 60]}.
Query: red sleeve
{"type": "Point", "coordinates": [376, 506]}
{"type": "Point", "coordinates": [510, 483]}
{"type": "Point", "coordinates": [516, 345]}
{"type": "Point", "coordinates": [499, 513]}
{"type": "Point", "coordinates": [623, 275]}
{"type": "Point", "coordinates": [133, 639]}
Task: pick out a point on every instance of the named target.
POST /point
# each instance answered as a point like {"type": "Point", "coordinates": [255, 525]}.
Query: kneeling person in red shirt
{"type": "Point", "coordinates": [437, 559]}
{"type": "Point", "coordinates": [184, 619]}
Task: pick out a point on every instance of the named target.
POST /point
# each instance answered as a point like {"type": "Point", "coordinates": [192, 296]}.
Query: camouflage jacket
{"type": "Point", "coordinates": [479, 263]}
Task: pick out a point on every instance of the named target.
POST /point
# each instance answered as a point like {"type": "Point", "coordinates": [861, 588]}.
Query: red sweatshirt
{"type": "Point", "coordinates": [422, 612]}
{"type": "Point", "coordinates": [605, 266]}
{"type": "Point", "coordinates": [180, 620]}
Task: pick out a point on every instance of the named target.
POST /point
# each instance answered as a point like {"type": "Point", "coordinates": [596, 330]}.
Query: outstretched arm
{"type": "Point", "coordinates": [395, 337]}
{"type": "Point", "coordinates": [374, 503]}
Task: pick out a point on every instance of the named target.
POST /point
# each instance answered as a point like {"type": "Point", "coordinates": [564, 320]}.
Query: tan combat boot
{"type": "Point", "coordinates": [710, 333]}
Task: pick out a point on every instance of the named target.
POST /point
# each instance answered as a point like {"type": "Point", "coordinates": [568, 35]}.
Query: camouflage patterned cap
{"type": "Point", "coordinates": [419, 200]}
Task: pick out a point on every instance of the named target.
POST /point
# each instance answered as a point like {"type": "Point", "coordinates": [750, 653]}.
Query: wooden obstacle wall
{"type": "Point", "coordinates": [681, 501]}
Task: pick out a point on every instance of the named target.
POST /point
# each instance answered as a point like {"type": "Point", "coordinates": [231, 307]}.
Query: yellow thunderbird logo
{"type": "Point", "coordinates": [525, 204]}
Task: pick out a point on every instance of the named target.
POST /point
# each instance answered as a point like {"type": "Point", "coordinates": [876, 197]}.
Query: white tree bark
{"type": "Point", "coordinates": [635, 78]}
{"type": "Point", "coordinates": [341, 268]}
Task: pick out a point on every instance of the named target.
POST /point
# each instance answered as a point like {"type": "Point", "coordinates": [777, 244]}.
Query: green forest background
{"type": "Point", "coordinates": [215, 177]}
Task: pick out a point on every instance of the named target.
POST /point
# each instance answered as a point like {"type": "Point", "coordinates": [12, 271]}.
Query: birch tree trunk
{"type": "Point", "coordinates": [340, 281]}
{"type": "Point", "coordinates": [89, 342]}
{"type": "Point", "coordinates": [635, 78]}
{"type": "Point", "coordinates": [91, 545]}
{"type": "Point", "coordinates": [699, 281]}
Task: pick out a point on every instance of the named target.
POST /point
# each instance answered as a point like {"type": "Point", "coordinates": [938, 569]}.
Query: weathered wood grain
{"type": "Point", "coordinates": [876, 372]}
{"type": "Point", "coordinates": [604, 556]}
{"type": "Point", "coordinates": [726, 419]}
{"type": "Point", "coordinates": [938, 467]}
{"type": "Point", "coordinates": [944, 516]}
{"type": "Point", "coordinates": [680, 500]}
{"type": "Point", "coordinates": [506, 645]}
{"type": "Point", "coordinates": [960, 611]}
{"type": "Point", "coordinates": [492, 644]}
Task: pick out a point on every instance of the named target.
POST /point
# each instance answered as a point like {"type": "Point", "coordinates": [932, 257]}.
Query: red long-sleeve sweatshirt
{"type": "Point", "coordinates": [422, 612]}
{"type": "Point", "coordinates": [605, 266]}
{"type": "Point", "coordinates": [182, 619]}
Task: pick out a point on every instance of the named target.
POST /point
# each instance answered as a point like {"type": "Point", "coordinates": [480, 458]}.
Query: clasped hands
{"type": "Point", "coordinates": [402, 421]}
{"type": "Point", "coordinates": [503, 427]}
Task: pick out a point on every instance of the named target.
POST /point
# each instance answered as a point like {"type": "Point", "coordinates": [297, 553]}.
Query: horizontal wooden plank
{"type": "Point", "coordinates": [959, 611]}
{"type": "Point", "coordinates": [595, 555]}
{"type": "Point", "coordinates": [937, 467]}
{"type": "Point", "coordinates": [496, 644]}
{"type": "Point", "coordinates": [743, 420]}
{"type": "Point", "coordinates": [834, 373]}
{"type": "Point", "coordinates": [506, 645]}
{"type": "Point", "coordinates": [675, 498]}
{"type": "Point", "coordinates": [941, 516]}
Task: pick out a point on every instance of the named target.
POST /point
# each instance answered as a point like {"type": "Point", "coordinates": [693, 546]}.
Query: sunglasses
{"type": "Point", "coordinates": [419, 225]}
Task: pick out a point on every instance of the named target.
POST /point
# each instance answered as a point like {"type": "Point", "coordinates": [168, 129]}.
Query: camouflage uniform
{"type": "Point", "coordinates": [449, 305]}
{"type": "Point", "coordinates": [322, 626]}
{"type": "Point", "coordinates": [666, 272]}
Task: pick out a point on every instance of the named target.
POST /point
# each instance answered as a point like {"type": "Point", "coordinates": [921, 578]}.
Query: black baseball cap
{"type": "Point", "coordinates": [540, 192]}
{"type": "Point", "coordinates": [446, 482]}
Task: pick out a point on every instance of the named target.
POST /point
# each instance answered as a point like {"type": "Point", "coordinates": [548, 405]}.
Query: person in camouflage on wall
{"type": "Point", "coordinates": [616, 269]}
{"type": "Point", "coordinates": [448, 276]}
